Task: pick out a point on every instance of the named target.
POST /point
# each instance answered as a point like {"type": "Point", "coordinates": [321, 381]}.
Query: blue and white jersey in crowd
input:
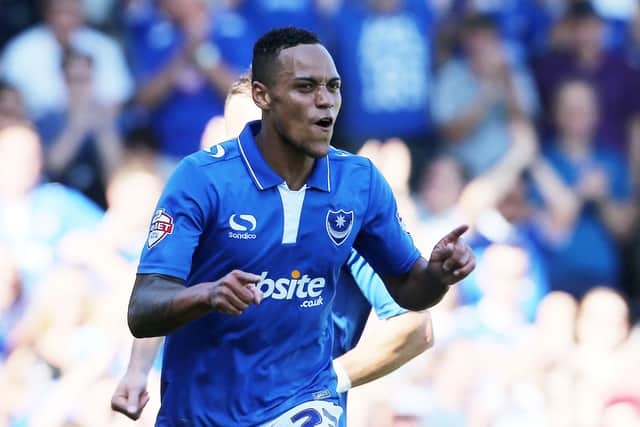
{"type": "Point", "coordinates": [226, 209]}
{"type": "Point", "coordinates": [385, 63]}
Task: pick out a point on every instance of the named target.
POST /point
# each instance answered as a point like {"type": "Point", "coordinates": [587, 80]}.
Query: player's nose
{"type": "Point", "coordinates": [324, 98]}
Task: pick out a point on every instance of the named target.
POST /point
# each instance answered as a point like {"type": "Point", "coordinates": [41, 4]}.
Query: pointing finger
{"type": "Point", "coordinates": [455, 234]}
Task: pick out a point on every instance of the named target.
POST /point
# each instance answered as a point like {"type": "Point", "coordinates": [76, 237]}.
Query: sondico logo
{"type": "Point", "coordinates": [242, 225]}
{"type": "Point", "coordinates": [298, 287]}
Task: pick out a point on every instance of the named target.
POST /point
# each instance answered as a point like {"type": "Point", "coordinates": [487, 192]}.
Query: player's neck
{"type": "Point", "coordinates": [289, 162]}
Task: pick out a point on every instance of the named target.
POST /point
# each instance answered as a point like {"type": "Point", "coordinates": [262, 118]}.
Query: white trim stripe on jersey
{"type": "Point", "coordinates": [244, 156]}
{"type": "Point", "coordinates": [328, 174]}
{"type": "Point", "coordinates": [292, 208]}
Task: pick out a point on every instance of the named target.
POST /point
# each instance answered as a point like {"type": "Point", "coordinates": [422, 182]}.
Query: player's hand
{"type": "Point", "coordinates": [235, 292]}
{"type": "Point", "coordinates": [452, 259]}
{"type": "Point", "coordinates": [131, 395]}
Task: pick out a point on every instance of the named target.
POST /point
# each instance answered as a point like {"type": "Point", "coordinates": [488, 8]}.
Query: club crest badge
{"type": "Point", "coordinates": [161, 225]}
{"type": "Point", "coordinates": [339, 225]}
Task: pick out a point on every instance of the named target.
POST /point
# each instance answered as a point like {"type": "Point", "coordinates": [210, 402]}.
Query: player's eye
{"type": "Point", "coordinates": [334, 86]}
{"type": "Point", "coordinates": [306, 87]}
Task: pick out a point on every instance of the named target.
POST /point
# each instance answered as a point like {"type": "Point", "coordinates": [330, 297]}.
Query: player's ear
{"type": "Point", "coordinates": [260, 95]}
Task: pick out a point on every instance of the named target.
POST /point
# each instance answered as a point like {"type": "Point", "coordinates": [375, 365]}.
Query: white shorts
{"type": "Point", "coordinates": [309, 414]}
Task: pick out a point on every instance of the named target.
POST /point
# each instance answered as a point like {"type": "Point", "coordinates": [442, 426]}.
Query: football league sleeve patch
{"type": "Point", "coordinates": [177, 223]}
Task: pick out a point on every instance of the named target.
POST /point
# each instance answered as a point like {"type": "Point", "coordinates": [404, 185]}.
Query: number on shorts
{"type": "Point", "coordinates": [313, 418]}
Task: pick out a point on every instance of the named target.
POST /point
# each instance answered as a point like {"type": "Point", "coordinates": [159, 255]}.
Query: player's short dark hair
{"type": "Point", "coordinates": [269, 46]}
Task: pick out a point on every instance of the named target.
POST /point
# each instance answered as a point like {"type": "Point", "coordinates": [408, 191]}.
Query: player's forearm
{"type": "Point", "coordinates": [416, 290]}
{"type": "Point", "coordinates": [143, 354]}
{"type": "Point", "coordinates": [159, 305]}
{"type": "Point", "coordinates": [400, 339]}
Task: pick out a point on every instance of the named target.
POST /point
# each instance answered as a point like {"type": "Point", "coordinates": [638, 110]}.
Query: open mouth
{"type": "Point", "coordinates": [325, 122]}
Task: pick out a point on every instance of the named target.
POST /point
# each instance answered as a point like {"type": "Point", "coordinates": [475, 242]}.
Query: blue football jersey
{"type": "Point", "coordinates": [225, 209]}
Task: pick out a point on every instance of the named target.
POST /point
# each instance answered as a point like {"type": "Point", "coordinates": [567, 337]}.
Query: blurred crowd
{"type": "Point", "coordinates": [518, 117]}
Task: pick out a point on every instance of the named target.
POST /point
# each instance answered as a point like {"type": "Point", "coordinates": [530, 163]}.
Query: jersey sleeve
{"type": "Point", "coordinates": [178, 222]}
{"type": "Point", "coordinates": [372, 287]}
{"type": "Point", "coordinates": [383, 240]}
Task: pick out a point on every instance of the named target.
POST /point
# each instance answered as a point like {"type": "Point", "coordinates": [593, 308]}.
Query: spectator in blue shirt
{"type": "Point", "coordinates": [595, 212]}
{"type": "Point", "coordinates": [477, 96]}
{"type": "Point", "coordinates": [185, 62]}
{"type": "Point", "coordinates": [383, 49]}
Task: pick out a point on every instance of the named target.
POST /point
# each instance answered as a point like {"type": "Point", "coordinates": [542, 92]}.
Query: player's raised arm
{"type": "Point", "coordinates": [428, 281]}
{"type": "Point", "coordinates": [161, 304]}
{"type": "Point", "coordinates": [413, 282]}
